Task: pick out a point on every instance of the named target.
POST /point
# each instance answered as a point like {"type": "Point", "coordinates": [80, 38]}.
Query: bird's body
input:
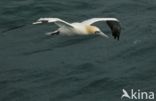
{"type": "Point", "coordinates": [82, 28]}
{"type": "Point", "coordinates": [79, 29]}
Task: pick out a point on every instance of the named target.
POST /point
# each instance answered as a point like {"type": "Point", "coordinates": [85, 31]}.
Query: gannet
{"type": "Point", "coordinates": [82, 28]}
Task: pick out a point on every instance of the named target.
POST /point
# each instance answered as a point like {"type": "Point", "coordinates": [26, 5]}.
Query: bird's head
{"type": "Point", "coordinates": [95, 31]}
{"type": "Point", "coordinates": [92, 29]}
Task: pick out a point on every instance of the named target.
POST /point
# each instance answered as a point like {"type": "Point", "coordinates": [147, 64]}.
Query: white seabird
{"type": "Point", "coordinates": [82, 28]}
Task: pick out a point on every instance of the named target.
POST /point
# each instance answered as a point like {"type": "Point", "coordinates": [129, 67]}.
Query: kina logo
{"type": "Point", "coordinates": [137, 95]}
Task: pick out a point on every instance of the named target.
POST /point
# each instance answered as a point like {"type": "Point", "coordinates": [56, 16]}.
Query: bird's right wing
{"type": "Point", "coordinates": [57, 21]}
{"type": "Point", "coordinates": [113, 24]}
{"type": "Point", "coordinates": [93, 20]}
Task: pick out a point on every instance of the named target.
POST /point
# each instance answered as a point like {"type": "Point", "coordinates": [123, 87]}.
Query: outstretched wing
{"type": "Point", "coordinates": [113, 24]}
{"type": "Point", "coordinates": [57, 21]}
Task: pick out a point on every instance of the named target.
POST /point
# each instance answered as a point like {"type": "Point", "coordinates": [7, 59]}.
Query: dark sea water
{"type": "Point", "coordinates": [34, 67]}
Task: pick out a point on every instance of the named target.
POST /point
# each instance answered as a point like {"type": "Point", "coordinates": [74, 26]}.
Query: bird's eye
{"type": "Point", "coordinates": [96, 32]}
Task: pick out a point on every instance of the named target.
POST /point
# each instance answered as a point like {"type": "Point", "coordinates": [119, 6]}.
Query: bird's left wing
{"type": "Point", "coordinates": [113, 24]}
{"type": "Point", "coordinates": [57, 21]}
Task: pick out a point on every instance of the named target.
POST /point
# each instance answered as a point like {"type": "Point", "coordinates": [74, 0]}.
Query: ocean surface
{"type": "Point", "coordinates": [34, 67]}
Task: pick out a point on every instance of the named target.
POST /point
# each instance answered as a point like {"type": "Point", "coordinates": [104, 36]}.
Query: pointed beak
{"type": "Point", "coordinates": [102, 34]}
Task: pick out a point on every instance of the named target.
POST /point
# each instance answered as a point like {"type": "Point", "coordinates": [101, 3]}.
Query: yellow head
{"type": "Point", "coordinates": [92, 29]}
{"type": "Point", "coordinates": [95, 30]}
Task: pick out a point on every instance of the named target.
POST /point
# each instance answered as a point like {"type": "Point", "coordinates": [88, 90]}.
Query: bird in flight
{"type": "Point", "coordinates": [86, 27]}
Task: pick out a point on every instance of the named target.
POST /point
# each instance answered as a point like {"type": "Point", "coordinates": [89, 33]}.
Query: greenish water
{"type": "Point", "coordinates": [34, 67]}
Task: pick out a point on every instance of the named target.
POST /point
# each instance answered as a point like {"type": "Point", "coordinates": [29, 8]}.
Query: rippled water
{"type": "Point", "coordinates": [34, 67]}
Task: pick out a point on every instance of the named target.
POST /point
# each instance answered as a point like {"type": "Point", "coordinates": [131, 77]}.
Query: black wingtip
{"type": "Point", "coordinates": [115, 28]}
{"type": "Point", "coordinates": [116, 34]}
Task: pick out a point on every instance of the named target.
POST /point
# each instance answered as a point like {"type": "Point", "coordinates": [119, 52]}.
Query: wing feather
{"type": "Point", "coordinates": [57, 21]}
